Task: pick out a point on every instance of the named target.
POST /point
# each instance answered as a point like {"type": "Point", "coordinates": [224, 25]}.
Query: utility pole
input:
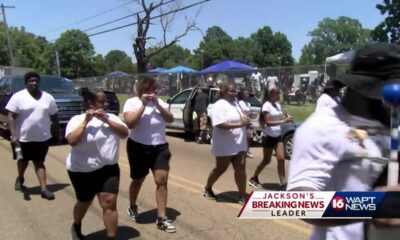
{"type": "Point", "coordinates": [10, 52]}
{"type": "Point", "coordinates": [58, 63]}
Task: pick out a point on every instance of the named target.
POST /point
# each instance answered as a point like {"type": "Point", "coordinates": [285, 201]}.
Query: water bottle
{"type": "Point", "coordinates": [18, 152]}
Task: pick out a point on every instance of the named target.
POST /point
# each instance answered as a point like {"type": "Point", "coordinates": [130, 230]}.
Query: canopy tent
{"type": "Point", "coordinates": [179, 69]}
{"type": "Point", "coordinates": [117, 74]}
{"type": "Point", "coordinates": [227, 65]}
{"type": "Point", "coordinates": [157, 70]}
{"type": "Point", "coordinates": [341, 58]}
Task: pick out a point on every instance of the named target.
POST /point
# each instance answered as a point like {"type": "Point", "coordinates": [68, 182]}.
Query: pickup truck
{"type": "Point", "coordinates": [69, 103]}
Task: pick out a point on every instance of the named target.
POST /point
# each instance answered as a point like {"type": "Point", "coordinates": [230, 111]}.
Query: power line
{"type": "Point", "coordinates": [161, 15]}
{"type": "Point", "coordinates": [122, 18]}
{"type": "Point", "coordinates": [87, 18]}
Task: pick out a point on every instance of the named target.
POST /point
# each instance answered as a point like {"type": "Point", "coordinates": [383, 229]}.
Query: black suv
{"type": "Point", "coordinates": [69, 103]}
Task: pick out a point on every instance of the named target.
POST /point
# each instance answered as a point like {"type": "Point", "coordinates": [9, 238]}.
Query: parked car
{"type": "Point", "coordinates": [288, 131]}
{"type": "Point", "coordinates": [112, 103]}
{"type": "Point", "coordinates": [182, 104]}
{"type": "Point", "coordinates": [68, 101]}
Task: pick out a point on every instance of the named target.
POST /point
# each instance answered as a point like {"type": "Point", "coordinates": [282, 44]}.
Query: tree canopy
{"type": "Point", "coordinates": [119, 60]}
{"type": "Point", "coordinates": [76, 54]}
{"type": "Point", "coordinates": [389, 29]}
{"type": "Point", "coordinates": [333, 36]}
{"type": "Point", "coordinates": [216, 45]}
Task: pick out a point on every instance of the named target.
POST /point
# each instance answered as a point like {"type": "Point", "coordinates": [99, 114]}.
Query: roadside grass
{"type": "Point", "coordinates": [299, 113]}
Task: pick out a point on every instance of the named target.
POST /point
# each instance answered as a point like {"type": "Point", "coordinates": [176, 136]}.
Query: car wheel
{"type": "Point", "coordinates": [288, 145]}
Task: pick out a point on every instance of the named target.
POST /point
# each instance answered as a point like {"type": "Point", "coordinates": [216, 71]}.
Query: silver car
{"type": "Point", "coordinates": [182, 104]}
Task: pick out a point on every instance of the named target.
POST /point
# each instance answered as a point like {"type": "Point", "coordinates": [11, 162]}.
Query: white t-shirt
{"type": "Point", "coordinates": [325, 101]}
{"type": "Point", "coordinates": [245, 107]}
{"type": "Point", "coordinates": [227, 142]}
{"type": "Point", "coordinates": [325, 158]}
{"type": "Point", "coordinates": [99, 145]}
{"type": "Point", "coordinates": [33, 122]}
{"type": "Point", "coordinates": [272, 81]}
{"type": "Point", "coordinates": [276, 115]}
{"type": "Point", "coordinates": [150, 129]}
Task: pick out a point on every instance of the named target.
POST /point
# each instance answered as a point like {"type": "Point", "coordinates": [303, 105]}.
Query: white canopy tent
{"type": "Point", "coordinates": [341, 58]}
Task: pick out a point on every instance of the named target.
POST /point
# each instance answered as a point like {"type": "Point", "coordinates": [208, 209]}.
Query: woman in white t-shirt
{"type": "Point", "coordinates": [273, 118]}
{"type": "Point", "coordinates": [93, 161]}
{"type": "Point", "coordinates": [147, 147]}
{"type": "Point", "coordinates": [229, 141]}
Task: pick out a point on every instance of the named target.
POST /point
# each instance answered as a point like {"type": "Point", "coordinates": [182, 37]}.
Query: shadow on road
{"type": "Point", "coordinates": [124, 233]}
{"type": "Point", "coordinates": [151, 216]}
{"type": "Point", "coordinates": [27, 191]}
{"type": "Point", "coordinates": [228, 197]}
{"type": "Point", "coordinates": [271, 186]}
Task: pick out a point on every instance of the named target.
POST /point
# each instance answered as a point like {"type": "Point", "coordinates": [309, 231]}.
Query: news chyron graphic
{"type": "Point", "coordinates": [315, 205]}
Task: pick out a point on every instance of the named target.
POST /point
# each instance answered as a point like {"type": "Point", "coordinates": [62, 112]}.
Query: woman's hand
{"type": "Point", "coordinates": [89, 115]}
{"type": "Point", "coordinates": [145, 98]}
{"type": "Point", "coordinates": [245, 121]}
{"type": "Point", "coordinates": [101, 115]}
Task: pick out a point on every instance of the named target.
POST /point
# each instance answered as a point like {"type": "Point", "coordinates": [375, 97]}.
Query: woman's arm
{"type": "Point", "coordinates": [75, 137]}
{"type": "Point", "coordinates": [132, 118]}
{"type": "Point", "coordinates": [164, 112]}
{"type": "Point", "coordinates": [270, 123]}
{"type": "Point", "coordinates": [116, 127]}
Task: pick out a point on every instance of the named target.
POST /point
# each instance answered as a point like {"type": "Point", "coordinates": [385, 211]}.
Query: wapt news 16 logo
{"type": "Point", "coordinates": [272, 205]}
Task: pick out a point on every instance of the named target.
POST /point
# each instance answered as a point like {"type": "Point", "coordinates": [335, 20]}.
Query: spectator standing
{"type": "Point", "coordinates": [330, 96]}
{"type": "Point", "coordinates": [272, 119]}
{"type": "Point", "coordinates": [92, 163]}
{"type": "Point", "coordinates": [245, 106]}
{"type": "Point", "coordinates": [229, 141]}
{"type": "Point", "coordinates": [31, 113]}
{"type": "Point", "coordinates": [200, 107]}
{"type": "Point", "coordinates": [147, 147]}
{"type": "Point", "coordinates": [347, 138]}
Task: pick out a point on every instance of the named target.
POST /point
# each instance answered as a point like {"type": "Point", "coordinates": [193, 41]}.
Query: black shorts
{"type": "Point", "coordinates": [271, 142]}
{"type": "Point", "coordinates": [144, 157]}
{"type": "Point", "coordinates": [88, 184]}
{"type": "Point", "coordinates": [35, 151]}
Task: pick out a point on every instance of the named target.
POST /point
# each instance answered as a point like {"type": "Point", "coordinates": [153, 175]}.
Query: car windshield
{"type": "Point", "coordinates": [50, 84]}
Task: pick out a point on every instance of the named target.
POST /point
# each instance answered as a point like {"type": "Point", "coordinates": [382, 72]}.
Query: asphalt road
{"type": "Point", "coordinates": [27, 216]}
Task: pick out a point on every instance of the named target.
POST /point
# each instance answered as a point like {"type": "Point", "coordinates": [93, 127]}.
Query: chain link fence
{"type": "Point", "coordinates": [297, 83]}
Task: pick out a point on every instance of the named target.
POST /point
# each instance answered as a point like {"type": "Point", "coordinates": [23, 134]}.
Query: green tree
{"type": "Point", "coordinates": [113, 57]}
{"type": "Point", "coordinates": [170, 57]}
{"type": "Point", "coordinates": [119, 60]}
{"type": "Point", "coordinates": [100, 66]}
{"type": "Point", "coordinates": [126, 65]}
{"type": "Point", "coordinates": [216, 45]}
{"type": "Point", "coordinates": [4, 59]}
{"type": "Point", "coordinates": [333, 36]}
{"type": "Point", "coordinates": [76, 54]}
{"type": "Point", "coordinates": [271, 49]}
{"type": "Point", "coordinates": [244, 50]}
{"type": "Point", "coordinates": [28, 49]}
{"type": "Point", "coordinates": [389, 29]}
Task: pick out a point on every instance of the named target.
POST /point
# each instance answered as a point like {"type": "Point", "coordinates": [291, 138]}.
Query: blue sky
{"type": "Point", "coordinates": [295, 18]}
